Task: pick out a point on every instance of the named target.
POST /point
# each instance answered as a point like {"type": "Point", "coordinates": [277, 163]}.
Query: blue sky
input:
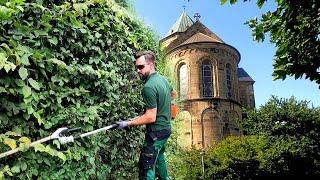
{"type": "Point", "coordinates": [227, 21]}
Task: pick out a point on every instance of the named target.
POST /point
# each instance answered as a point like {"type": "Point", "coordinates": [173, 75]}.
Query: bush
{"type": "Point", "coordinates": [69, 64]}
{"type": "Point", "coordinates": [282, 141]}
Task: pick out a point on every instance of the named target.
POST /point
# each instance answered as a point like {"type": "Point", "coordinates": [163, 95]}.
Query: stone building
{"type": "Point", "coordinates": [210, 84]}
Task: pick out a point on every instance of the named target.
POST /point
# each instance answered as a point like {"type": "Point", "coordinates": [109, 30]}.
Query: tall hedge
{"type": "Point", "coordinates": [69, 64]}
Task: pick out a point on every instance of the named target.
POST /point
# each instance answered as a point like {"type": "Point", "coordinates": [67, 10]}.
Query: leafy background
{"type": "Point", "coordinates": [281, 139]}
{"type": "Point", "coordinates": [69, 64]}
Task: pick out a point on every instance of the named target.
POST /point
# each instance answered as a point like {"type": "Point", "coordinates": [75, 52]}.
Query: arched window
{"type": "Point", "coordinates": [206, 76]}
{"type": "Point", "coordinates": [183, 81]}
{"type": "Point", "coordinates": [229, 81]}
{"type": "Point", "coordinates": [210, 127]}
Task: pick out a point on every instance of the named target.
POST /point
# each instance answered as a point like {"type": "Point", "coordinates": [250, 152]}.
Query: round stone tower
{"type": "Point", "coordinates": [205, 70]}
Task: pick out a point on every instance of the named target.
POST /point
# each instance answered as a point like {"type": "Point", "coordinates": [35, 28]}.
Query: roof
{"type": "Point", "coordinates": [244, 76]}
{"type": "Point", "coordinates": [182, 24]}
{"type": "Point", "coordinates": [200, 37]}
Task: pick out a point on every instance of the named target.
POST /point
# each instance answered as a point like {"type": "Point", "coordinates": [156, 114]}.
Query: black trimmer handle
{"type": "Point", "coordinates": [114, 126]}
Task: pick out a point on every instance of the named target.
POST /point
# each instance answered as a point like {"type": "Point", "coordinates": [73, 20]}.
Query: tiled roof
{"type": "Point", "coordinates": [200, 37]}
{"type": "Point", "coordinates": [182, 24]}
{"type": "Point", "coordinates": [244, 76]}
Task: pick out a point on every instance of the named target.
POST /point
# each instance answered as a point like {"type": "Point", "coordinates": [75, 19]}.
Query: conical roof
{"type": "Point", "coordinates": [182, 24]}
{"type": "Point", "coordinates": [244, 76]}
{"type": "Point", "coordinates": [200, 37]}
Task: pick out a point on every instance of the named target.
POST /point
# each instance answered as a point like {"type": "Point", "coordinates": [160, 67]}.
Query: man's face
{"type": "Point", "coordinates": [143, 67]}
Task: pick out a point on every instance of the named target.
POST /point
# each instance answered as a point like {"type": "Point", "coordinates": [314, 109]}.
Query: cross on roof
{"type": "Point", "coordinates": [197, 16]}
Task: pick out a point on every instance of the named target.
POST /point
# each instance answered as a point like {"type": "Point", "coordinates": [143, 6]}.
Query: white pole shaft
{"type": "Point", "coordinates": [97, 131]}
{"type": "Point", "coordinates": [2, 155]}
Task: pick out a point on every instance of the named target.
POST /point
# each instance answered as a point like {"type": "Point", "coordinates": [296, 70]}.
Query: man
{"type": "Point", "coordinates": [156, 94]}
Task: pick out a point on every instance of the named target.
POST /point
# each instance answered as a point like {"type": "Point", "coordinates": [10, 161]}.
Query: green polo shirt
{"type": "Point", "coordinates": [156, 93]}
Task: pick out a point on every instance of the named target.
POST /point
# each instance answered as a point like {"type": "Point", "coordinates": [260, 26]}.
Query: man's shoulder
{"type": "Point", "coordinates": [156, 80]}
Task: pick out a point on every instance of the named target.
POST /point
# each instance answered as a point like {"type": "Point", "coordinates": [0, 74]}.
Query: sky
{"type": "Point", "coordinates": [227, 21]}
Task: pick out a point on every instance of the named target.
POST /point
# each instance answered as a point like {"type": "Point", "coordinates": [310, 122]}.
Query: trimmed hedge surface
{"type": "Point", "coordinates": [69, 64]}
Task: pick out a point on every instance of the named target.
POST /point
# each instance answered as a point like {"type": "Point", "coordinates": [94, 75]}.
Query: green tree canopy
{"type": "Point", "coordinates": [282, 140]}
{"type": "Point", "coordinates": [294, 27]}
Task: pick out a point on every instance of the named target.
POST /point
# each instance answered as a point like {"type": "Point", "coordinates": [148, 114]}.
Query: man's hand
{"type": "Point", "coordinates": [122, 124]}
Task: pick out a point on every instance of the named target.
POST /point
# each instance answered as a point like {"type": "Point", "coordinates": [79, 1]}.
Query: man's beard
{"type": "Point", "coordinates": [144, 76]}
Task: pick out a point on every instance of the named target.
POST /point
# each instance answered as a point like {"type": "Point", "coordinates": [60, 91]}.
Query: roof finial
{"type": "Point", "coordinates": [184, 6]}
{"type": "Point", "coordinates": [197, 16]}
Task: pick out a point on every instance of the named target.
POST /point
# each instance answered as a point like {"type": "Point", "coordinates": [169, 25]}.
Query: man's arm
{"type": "Point", "coordinates": [173, 94]}
{"type": "Point", "coordinates": [148, 117]}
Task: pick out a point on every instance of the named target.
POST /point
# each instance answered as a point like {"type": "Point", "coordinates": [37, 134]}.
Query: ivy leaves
{"type": "Point", "coordinates": [69, 64]}
{"type": "Point", "coordinates": [23, 73]}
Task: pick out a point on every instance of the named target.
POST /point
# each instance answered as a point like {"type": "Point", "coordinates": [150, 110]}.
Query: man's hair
{"type": "Point", "coordinates": [148, 55]}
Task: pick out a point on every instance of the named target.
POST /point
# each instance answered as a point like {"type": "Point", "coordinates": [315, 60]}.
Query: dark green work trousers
{"type": "Point", "coordinates": [152, 160]}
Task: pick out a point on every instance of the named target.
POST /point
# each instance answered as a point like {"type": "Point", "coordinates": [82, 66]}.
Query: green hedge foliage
{"type": "Point", "coordinates": [69, 64]}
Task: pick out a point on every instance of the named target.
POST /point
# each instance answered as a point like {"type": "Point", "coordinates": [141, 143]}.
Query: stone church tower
{"type": "Point", "coordinates": [211, 86]}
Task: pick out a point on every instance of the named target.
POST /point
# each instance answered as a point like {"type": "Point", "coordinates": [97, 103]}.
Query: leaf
{"type": "Point", "coordinates": [23, 73]}
{"type": "Point", "coordinates": [26, 90]}
{"type": "Point", "coordinates": [40, 33]}
{"type": "Point", "coordinates": [7, 48]}
{"type": "Point", "coordinates": [15, 169]}
{"type": "Point", "coordinates": [260, 3]}
{"type": "Point", "coordinates": [30, 109]}
{"type": "Point", "coordinates": [9, 66]}
{"type": "Point", "coordinates": [57, 143]}
{"type": "Point", "coordinates": [25, 59]}
{"type": "Point", "coordinates": [23, 147]}
{"type": "Point", "coordinates": [34, 84]}
{"type": "Point", "coordinates": [5, 13]}
{"type": "Point", "coordinates": [79, 7]}
{"type": "Point", "coordinates": [3, 59]}
{"type": "Point", "coordinates": [233, 1]}
{"type": "Point", "coordinates": [97, 35]}
{"type": "Point", "coordinates": [83, 30]}
{"type": "Point", "coordinates": [62, 156]}
{"type": "Point", "coordinates": [12, 133]}
{"type": "Point", "coordinates": [38, 117]}
{"type": "Point", "coordinates": [20, 8]}
{"type": "Point", "coordinates": [25, 140]}
{"type": "Point", "coordinates": [53, 41]}
{"type": "Point", "coordinates": [39, 147]}
{"type": "Point", "coordinates": [2, 89]}
{"type": "Point", "coordinates": [58, 62]}
{"type": "Point", "coordinates": [7, 170]}
{"type": "Point", "coordinates": [222, 2]}
{"type": "Point", "coordinates": [10, 142]}
{"type": "Point", "coordinates": [23, 166]}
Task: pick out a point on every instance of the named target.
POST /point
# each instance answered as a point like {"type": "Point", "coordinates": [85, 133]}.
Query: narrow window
{"type": "Point", "coordinates": [183, 81]}
{"type": "Point", "coordinates": [206, 69]}
{"type": "Point", "coordinates": [228, 81]}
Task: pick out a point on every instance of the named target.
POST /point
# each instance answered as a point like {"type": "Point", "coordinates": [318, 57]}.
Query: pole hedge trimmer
{"type": "Point", "coordinates": [62, 135]}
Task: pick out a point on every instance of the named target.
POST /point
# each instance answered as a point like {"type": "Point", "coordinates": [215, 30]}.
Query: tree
{"type": "Point", "coordinates": [292, 129]}
{"type": "Point", "coordinates": [294, 28]}
{"type": "Point", "coordinates": [282, 141]}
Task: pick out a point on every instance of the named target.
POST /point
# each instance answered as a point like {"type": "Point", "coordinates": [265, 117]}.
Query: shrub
{"type": "Point", "coordinates": [69, 64]}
